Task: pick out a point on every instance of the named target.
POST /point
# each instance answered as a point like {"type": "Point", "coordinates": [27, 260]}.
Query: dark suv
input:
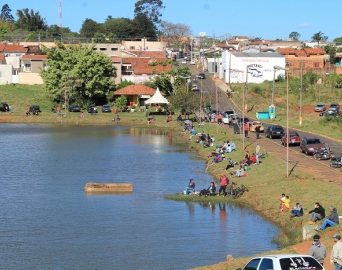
{"type": "Point", "coordinates": [106, 108]}
{"type": "Point", "coordinates": [309, 144]}
{"type": "Point", "coordinates": [274, 131]}
{"type": "Point", "coordinates": [74, 108]}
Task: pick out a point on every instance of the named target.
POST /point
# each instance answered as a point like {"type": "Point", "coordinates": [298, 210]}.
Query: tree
{"type": "Point", "coordinates": [150, 8]}
{"type": "Point", "coordinates": [319, 37]}
{"type": "Point", "coordinates": [86, 74]}
{"type": "Point", "coordinates": [331, 50]}
{"type": "Point", "coordinates": [294, 35]}
{"type": "Point", "coordinates": [123, 84]}
{"type": "Point", "coordinates": [121, 102]}
{"type": "Point", "coordinates": [6, 15]}
{"type": "Point", "coordinates": [142, 26]}
{"type": "Point", "coordinates": [172, 33]}
{"type": "Point", "coordinates": [121, 27]}
{"type": "Point", "coordinates": [89, 28]}
{"type": "Point", "coordinates": [29, 20]}
{"type": "Point", "coordinates": [338, 41]}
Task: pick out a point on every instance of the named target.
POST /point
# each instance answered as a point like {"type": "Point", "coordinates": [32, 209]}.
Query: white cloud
{"type": "Point", "coordinates": [304, 25]}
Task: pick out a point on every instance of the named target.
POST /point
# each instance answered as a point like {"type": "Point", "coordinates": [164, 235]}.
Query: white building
{"type": "Point", "coordinates": [257, 67]}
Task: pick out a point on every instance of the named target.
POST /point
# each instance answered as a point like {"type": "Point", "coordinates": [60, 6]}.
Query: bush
{"type": "Point", "coordinates": [257, 90]}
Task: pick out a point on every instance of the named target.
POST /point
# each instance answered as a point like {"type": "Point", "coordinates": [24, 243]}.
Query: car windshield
{"type": "Point", "coordinates": [314, 141]}
{"type": "Point", "coordinates": [293, 135]}
{"type": "Point", "coordinates": [320, 105]}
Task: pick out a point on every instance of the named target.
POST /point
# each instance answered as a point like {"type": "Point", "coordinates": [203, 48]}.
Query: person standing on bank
{"type": "Point", "coordinates": [257, 131]}
{"type": "Point", "coordinates": [318, 250]}
{"type": "Point", "coordinates": [336, 253]}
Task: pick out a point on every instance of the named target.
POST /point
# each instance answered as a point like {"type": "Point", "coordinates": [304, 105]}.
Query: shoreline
{"type": "Point", "coordinates": [247, 200]}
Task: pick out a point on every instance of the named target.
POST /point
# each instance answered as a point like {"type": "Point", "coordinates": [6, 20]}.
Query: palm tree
{"type": "Point", "coordinates": [319, 37]}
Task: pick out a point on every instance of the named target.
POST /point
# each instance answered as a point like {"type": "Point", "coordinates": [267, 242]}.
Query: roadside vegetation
{"type": "Point", "coordinates": [259, 98]}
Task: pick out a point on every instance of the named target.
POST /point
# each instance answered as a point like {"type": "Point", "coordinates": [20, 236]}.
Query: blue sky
{"type": "Point", "coordinates": [267, 19]}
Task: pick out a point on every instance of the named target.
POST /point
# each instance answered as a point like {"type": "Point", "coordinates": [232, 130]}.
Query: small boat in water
{"type": "Point", "coordinates": [108, 188]}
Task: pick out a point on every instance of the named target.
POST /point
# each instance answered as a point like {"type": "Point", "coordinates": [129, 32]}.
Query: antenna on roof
{"type": "Point", "coordinates": [60, 13]}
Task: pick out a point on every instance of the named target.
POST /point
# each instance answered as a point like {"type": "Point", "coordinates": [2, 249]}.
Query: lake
{"type": "Point", "coordinates": [48, 222]}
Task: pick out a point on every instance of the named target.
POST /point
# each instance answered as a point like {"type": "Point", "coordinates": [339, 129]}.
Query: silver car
{"type": "Point", "coordinates": [320, 107]}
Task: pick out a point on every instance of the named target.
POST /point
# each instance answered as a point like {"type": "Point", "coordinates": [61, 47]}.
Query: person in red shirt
{"type": "Point", "coordinates": [223, 184]}
{"type": "Point", "coordinates": [219, 119]}
{"type": "Point", "coordinates": [246, 128]}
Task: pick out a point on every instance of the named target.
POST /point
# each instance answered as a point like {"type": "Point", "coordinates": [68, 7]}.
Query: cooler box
{"type": "Point", "coordinates": [262, 115]}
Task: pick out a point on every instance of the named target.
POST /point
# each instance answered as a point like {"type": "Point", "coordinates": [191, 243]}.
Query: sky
{"type": "Point", "coordinates": [266, 19]}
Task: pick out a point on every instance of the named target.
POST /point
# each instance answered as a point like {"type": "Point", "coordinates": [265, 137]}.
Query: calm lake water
{"type": "Point", "coordinates": [48, 222]}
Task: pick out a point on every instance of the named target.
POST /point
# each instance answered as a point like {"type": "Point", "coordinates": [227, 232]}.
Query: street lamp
{"type": "Point", "coordinates": [287, 115]}
{"type": "Point", "coordinates": [243, 105]}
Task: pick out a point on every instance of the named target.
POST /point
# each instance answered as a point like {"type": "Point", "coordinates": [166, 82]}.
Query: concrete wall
{"type": "Point", "coordinates": [6, 74]}
{"type": "Point", "coordinates": [30, 78]}
{"type": "Point", "coordinates": [144, 45]}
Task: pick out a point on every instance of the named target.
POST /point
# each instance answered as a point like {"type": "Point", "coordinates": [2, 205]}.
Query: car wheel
{"type": "Point", "coordinates": [271, 137]}
{"type": "Point", "coordinates": [317, 157]}
{"type": "Point", "coordinates": [306, 152]}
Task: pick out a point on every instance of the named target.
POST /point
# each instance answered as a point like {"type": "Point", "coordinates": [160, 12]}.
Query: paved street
{"type": "Point", "coordinates": [321, 169]}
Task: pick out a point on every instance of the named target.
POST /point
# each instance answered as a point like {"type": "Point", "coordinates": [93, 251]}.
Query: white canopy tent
{"type": "Point", "coordinates": [157, 98]}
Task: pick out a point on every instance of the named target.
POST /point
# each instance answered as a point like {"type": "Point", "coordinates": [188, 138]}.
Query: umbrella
{"type": "Point", "coordinates": [188, 122]}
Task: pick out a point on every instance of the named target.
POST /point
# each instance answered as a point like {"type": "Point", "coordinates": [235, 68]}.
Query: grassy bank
{"type": "Point", "coordinates": [265, 182]}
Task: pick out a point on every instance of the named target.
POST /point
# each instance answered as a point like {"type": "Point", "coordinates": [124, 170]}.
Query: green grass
{"type": "Point", "coordinates": [312, 122]}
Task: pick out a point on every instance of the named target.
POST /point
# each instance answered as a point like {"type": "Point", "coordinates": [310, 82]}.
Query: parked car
{"type": "Point", "coordinates": [283, 262]}
{"type": "Point", "coordinates": [330, 113]}
{"type": "Point", "coordinates": [192, 62]}
{"type": "Point", "coordinates": [245, 120]}
{"type": "Point", "coordinates": [254, 124]}
{"type": "Point", "coordinates": [334, 107]}
{"type": "Point", "coordinates": [201, 76]}
{"type": "Point", "coordinates": [74, 108]}
{"type": "Point", "coordinates": [294, 138]}
{"type": "Point", "coordinates": [106, 108]}
{"type": "Point", "coordinates": [4, 107]}
{"type": "Point", "coordinates": [309, 144]}
{"type": "Point", "coordinates": [92, 109]}
{"type": "Point", "coordinates": [34, 108]}
{"type": "Point", "coordinates": [274, 131]}
{"type": "Point", "coordinates": [184, 61]}
{"type": "Point", "coordinates": [321, 107]}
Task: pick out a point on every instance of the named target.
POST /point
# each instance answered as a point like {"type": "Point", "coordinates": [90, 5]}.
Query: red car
{"type": "Point", "coordinates": [294, 138]}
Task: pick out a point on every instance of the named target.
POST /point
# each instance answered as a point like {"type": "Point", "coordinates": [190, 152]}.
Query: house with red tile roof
{"type": "Point", "coordinates": [312, 58]}
{"type": "Point", "coordinates": [135, 94]}
{"type": "Point", "coordinates": [33, 63]}
{"type": "Point", "coordinates": [140, 70]}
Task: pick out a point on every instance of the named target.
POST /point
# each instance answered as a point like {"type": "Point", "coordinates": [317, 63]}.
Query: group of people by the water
{"type": "Point", "coordinates": [317, 214]}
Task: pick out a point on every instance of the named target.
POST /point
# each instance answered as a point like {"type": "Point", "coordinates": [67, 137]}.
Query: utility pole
{"type": "Point", "coordinates": [65, 95]}
{"type": "Point", "coordinates": [217, 110]}
{"type": "Point", "coordinates": [301, 96]}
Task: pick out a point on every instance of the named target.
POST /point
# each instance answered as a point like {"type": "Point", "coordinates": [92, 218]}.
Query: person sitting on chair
{"type": "Point", "coordinates": [190, 188]}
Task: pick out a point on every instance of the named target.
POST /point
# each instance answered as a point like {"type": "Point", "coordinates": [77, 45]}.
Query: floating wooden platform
{"type": "Point", "coordinates": [108, 188]}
